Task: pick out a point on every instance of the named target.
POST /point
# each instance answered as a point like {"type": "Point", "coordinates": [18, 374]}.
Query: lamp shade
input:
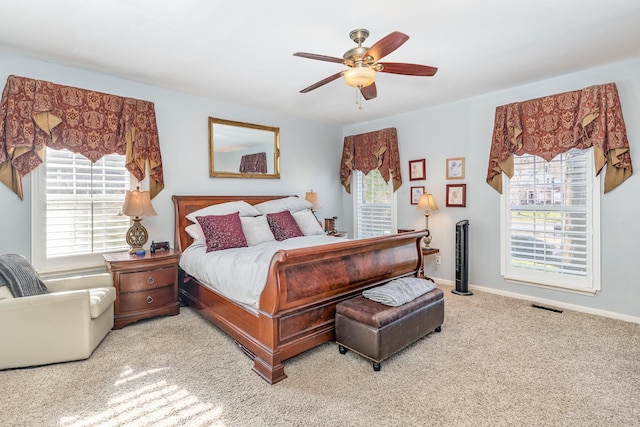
{"type": "Point", "coordinates": [359, 76]}
{"type": "Point", "coordinates": [427, 203]}
{"type": "Point", "coordinates": [137, 204]}
{"type": "Point", "coordinates": [312, 198]}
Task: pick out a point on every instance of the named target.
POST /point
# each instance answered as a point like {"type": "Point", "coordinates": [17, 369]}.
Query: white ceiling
{"type": "Point", "coordinates": [242, 51]}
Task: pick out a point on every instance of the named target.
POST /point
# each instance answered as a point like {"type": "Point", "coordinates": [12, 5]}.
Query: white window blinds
{"type": "Point", "coordinates": [551, 215]}
{"type": "Point", "coordinates": [374, 204]}
{"type": "Point", "coordinates": [77, 209]}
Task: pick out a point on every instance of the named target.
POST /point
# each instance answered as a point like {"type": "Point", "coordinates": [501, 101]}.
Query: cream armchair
{"type": "Point", "coordinates": [66, 324]}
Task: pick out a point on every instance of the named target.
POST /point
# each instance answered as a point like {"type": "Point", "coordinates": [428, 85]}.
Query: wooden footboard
{"type": "Point", "coordinates": [297, 306]}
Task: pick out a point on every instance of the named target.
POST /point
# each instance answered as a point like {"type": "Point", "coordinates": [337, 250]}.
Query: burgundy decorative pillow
{"type": "Point", "coordinates": [222, 231]}
{"type": "Point", "coordinates": [283, 225]}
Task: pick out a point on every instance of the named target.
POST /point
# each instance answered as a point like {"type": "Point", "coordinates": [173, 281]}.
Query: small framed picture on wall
{"type": "Point", "coordinates": [417, 169]}
{"type": "Point", "coordinates": [456, 195]}
{"type": "Point", "coordinates": [416, 192]}
{"type": "Point", "coordinates": [455, 168]}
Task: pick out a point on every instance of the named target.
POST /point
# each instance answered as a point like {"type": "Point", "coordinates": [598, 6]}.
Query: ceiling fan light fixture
{"type": "Point", "coordinates": [362, 76]}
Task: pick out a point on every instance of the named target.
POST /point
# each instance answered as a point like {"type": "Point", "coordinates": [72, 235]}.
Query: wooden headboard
{"type": "Point", "coordinates": [184, 205]}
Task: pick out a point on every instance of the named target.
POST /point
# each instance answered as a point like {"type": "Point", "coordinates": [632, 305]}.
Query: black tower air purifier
{"type": "Point", "coordinates": [462, 258]}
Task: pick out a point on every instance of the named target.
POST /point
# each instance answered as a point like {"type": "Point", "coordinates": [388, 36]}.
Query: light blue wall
{"type": "Point", "coordinates": [310, 151]}
{"type": "Point", "coordinates": [464, 129]}
{"type": "Point", "coordinates": [311, 155]}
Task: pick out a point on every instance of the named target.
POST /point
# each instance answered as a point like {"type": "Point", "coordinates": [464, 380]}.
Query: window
{"type": "Point", "coordinates": [551, 222]}
{"type": "Point", "coordinates": [374, 205]}
{"type": "Point", "coordinates": [75, 205]}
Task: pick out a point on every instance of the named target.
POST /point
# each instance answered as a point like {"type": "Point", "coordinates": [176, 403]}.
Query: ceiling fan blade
{"type": "Point", "coordinates": [322, 82]}
{"type": "Point", "coordinates": [318, 57]}
{"type": "Point", "coordinates": [407, 69]}
{"type": "Point", "coordinates": [386, 45]}
{"type": "Point", "coordinates": [369, 92]}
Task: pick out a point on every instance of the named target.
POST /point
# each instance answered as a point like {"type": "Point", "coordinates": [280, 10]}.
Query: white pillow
{"type": "Point", "coordinates": [256, 229]}
{"type": "Point", "coordinates": [241, 206]}
{"type": "Point", "coordinates": [195, 231]}
{"type": "Point", "coordinates": [291, 204]}
{"type": "Point", "coordinates": [308, 223]}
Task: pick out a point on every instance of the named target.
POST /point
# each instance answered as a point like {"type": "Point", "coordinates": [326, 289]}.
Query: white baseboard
{"type": "Point", "coordinates": [574, 307]}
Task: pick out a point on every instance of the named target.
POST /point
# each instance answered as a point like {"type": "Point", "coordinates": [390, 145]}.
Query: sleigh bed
{"type": "Point", "coordinates": [296, 308]}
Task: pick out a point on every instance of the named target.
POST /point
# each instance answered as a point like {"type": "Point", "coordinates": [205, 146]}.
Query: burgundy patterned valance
{"type": "Point", "coordinates": [369, 151]}
{"type": "Point", "coordinates": [37, 113]}
{"type": "Point", "coordinates": [548, 126]}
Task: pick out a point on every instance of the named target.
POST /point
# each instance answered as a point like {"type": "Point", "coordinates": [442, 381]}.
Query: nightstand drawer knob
{"type": "Point", "coordinates": [149, 280]}
{"type": "Point", "coordinates": [149, 299]}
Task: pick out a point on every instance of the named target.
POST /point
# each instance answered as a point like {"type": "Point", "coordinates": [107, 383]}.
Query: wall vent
{"type": "Point", "coordinates": [541, 307]}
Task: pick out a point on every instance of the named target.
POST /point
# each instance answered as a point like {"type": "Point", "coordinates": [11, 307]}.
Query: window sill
{"type": "Point", "coordinates": [554, 286]}
{"type": "Point", "coordinates": [72, 272]}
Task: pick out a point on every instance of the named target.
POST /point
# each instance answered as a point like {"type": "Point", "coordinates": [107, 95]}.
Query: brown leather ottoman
{"type": "Point", "coordinates": [377, 331]}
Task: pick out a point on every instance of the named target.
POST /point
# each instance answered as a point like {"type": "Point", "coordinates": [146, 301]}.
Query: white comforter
{"type": "Point", "coordinates": [240, 274]}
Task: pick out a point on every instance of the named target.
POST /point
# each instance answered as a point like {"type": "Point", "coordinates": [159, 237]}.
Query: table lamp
{"type": "Point", "coordinates": [137, 204]}
{"type": "Point", "coordinates": [427, 204]}
{"type": "Point", "coordinates": [312, 197]}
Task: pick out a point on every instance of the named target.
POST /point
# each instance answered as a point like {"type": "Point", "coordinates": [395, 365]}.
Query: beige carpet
{"type": "Point", "coordinates": [497, 362]}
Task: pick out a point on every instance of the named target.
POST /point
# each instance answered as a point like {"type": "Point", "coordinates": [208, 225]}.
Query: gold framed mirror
{"type": "Point", "coordinates": [243, 150]}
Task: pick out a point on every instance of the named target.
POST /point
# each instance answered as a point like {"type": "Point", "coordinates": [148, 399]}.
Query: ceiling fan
{"type": "Point", "coordinates": [363, 63]}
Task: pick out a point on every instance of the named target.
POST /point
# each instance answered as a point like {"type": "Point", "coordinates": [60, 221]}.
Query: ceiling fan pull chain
{"type": "Point", "coordinates": [358, 98]}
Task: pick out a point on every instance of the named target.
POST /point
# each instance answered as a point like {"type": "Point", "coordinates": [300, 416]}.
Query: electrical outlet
{"type": "Point", "coordinates": [438, 260]}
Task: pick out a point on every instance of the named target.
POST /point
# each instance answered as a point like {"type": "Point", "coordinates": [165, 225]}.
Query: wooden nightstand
{"type": "Point", "coordinates": [430, 251]}
{"type": "Point", "coordinates": [338, 234]}
{"type": "Point", "coordinates": [146, 286]}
